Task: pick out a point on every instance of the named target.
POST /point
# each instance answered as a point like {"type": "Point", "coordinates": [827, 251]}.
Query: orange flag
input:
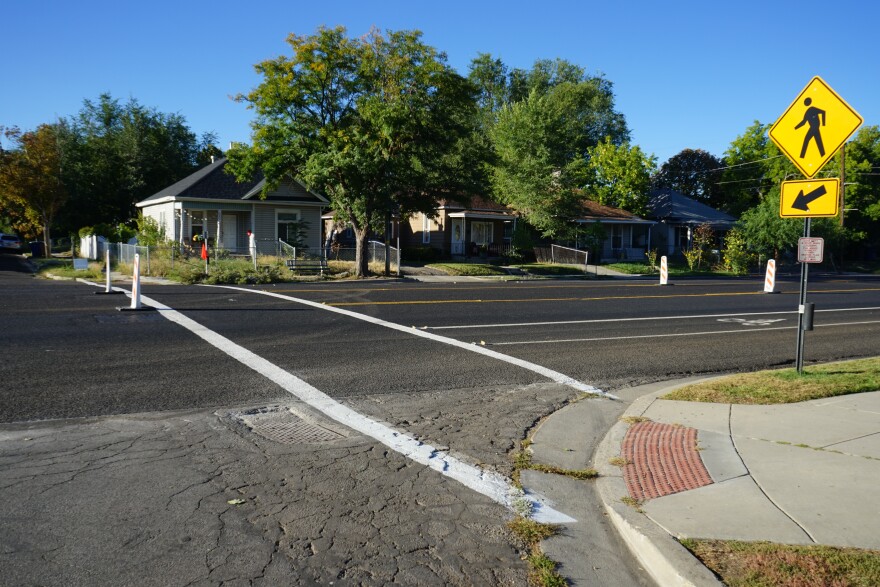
{"type": "Point", "coordinates": [205, 251]}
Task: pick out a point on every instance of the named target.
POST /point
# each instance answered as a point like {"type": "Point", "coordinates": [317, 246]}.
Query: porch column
{"type": "Point", "coordinates": [219, 232]}
{"type": "Point", "coordinates": [182, 224]}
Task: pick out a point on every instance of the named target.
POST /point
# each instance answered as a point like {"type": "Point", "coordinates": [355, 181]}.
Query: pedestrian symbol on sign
{"type": "Point", "coordinates": [816, 124]}
{"type": "Point", "coordinates": [812, 117]}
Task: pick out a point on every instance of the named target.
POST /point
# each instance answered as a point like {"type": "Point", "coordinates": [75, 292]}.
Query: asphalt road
{"type": "Point", "coordinates": [76, 371]}
{"type": "Point", "coordinates": [608, 334]}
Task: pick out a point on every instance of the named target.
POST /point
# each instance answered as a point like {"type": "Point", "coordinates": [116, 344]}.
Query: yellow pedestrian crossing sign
{"type": "Point", "coordinates": [809, 198]}
{"type": "Point", "coordinates": [814, 127]}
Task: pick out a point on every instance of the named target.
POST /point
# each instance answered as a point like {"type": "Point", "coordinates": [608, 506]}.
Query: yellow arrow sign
{"type": "Point", "coordinates": [814, 127]}
{"type": "Point", "coordinates": [810, 198]}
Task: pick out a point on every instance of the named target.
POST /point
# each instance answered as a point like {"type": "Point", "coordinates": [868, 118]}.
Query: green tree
{"type": "Point", "coordinates": [533, 174]}
{"type": "Point", "coordinates": [694, 173]}
{"type": "Point", "coordinates": [861, 215]}
{"type": "Point", "coordinates": [704, 237]}
{"type": "Point", "coordinates": [543, 145]}
{"type": "Point", "coordinates": [117, 154]}
{"type": "Point", "coordinates": [490, 76]}
{"type": "Point", "coordinates": [620, 175]}
{"type": "Point", "coordinates": [375, 123]}
{"type": "Point", "coordinates": [594, 237]}
{"type": "Point", "coordinates": [766, 232]}
{"type": "Point", "coordinates": [30, 176]}
{"type": "Point", "coordinates": [736, 256]}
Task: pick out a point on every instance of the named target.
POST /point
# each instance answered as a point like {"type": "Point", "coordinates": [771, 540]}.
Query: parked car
{"type": "Point", "coordinates": [10, 243]}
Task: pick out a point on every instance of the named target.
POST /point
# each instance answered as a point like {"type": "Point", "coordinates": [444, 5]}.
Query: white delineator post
{"type": "Point", "coordinates": [109, 289]}
{"type": "Point", "coordinates": [664, 271]}
{"type": "Point", "coordinates": [136, 283]}
{"type": "Point", "coordinates": [252, 246]}
{"type": "Point", "coordinates": [770, 277]}
{"type": "Point", "coordinates": [107, 264]}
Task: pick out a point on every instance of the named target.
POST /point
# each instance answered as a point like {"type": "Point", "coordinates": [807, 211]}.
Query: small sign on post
{"type": "Point", "coordinates": [811, 249]}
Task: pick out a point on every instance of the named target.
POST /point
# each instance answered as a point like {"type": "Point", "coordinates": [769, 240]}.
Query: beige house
{"type": "Point", "coordinates": [481, 228]}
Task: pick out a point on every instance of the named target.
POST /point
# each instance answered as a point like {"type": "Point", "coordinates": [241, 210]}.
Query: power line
{"type": "Point", "coordinates": [746, 163]}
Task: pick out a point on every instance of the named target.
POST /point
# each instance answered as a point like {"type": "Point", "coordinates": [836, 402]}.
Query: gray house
{"type": "Point", "coordinates": [212, 203]}
{"type": "Point", "coordinates": [677, 216]}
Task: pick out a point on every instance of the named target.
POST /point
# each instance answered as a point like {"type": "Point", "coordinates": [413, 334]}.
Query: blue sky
{"type": "Point", "coordinates": [685, 74]}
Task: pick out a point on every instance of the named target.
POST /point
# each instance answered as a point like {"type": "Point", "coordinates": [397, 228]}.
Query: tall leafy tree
{"type": "Point", "coordinates": [375, 123]}
{"type": "Point", "coordinates": [490, 76]}
{"type": "Point", "coordinates": [753, 169]}
{"type": "Point", "coordinates": [116, 154]}
{"type": "Point", "coordinates": [694, 173]}
{"type": "Point", "coordinates": [765, 231]}
{"type": "Point", "coordinates": [620, 175]}
{"type": "Point", "coordinates": [862, 194]}
{"type": "Point", "coordinates": [752, 182]}
{"type": "Point", "coordinates": [30, 176]}
{"type": "Point", "coordinates": [542, 139]}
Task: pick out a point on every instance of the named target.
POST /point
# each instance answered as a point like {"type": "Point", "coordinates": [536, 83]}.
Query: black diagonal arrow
{"type": "Point", "coordinates": [802, 202]}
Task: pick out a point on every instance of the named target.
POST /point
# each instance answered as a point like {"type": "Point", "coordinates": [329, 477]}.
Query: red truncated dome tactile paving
{"type": "Point", "coordinates": [662, 459]}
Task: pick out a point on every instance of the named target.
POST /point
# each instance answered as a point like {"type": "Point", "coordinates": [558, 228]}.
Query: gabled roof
{"type": "Point", "coordinates": [213, 183]}
{"type": "Point", "coordinates": [476, 204]}
{"type": "Point", "coordinates": [676, 208]}
{"type": "Point", "coordinates": [594, 211]}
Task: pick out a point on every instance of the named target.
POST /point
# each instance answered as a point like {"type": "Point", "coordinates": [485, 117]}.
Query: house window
{"type": "Point", "coordinates": [197, 226]}
{"type": "Point", "coordinates": [481, 233]}
{"type": "Point", "coordinates": [682, 237]}
{"type": "Point", "coordinates": [508, 231]}
{"type": "Point", "coordinates": [290, 229]}
{"type": "Point", "coordinates": [616, 236]}
{"type": "Point", "coordinates": [426, 229]}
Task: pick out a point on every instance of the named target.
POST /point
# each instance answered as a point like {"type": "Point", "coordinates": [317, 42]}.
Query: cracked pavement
{"type": "Point", "coordinates": [151, 499]}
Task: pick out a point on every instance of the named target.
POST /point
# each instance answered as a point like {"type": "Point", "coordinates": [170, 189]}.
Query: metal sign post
{"type": "Point", "coordinates": [802, 305]}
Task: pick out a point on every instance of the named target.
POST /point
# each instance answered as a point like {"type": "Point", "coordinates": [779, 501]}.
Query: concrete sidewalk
{"type": "Point", "coordinates": [803, 473]}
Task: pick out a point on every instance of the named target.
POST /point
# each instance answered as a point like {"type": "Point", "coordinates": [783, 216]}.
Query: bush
{"type": "Point", "coordinates": [423, 254]}
{"type": "Point", "coordinates": [736, 256]}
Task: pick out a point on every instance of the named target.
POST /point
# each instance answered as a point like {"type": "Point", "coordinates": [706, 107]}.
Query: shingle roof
{"type": "Point", "coordinates": [596, 211]}
{"type": "Point", "coordinates": [675, 207]}
{"type": "Point", "coordinates": [476, 204]}
{"type": "Point", "coordinates": [212, 182]}
{"type": "Point", "coordinates": [209, 182]}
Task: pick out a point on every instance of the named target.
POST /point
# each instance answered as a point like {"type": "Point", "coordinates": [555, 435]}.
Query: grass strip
{"type": "Point", "coordinates": [468, 269]}
{"type": "Point", "coordinates": [764, 564]}
{"type": "Point", "coordinates": [542, 569]}
{"type": "Point", "coordinates": [786, 385]}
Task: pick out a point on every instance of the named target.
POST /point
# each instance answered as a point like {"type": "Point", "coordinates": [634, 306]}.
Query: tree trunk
{"type": "Point", "coordinates": [361, 264]}
{"type": "Point", "coordinates": [47, 250]}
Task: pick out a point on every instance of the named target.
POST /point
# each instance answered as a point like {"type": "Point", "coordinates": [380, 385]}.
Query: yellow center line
{"type": "Point", "coordinates": [460, 288]}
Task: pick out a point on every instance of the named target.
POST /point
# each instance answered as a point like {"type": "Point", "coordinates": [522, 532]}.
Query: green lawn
{"type": "Point", "coordinates": [786, 385]}
{"type": "Point", "coordinates": [675, 269]}
{"type": "Point", "coordinates": [472, 269]}
{"type": "Point", "coordinates": [763, 564]}
{"type": "Point", "coordinates": [551, 269]}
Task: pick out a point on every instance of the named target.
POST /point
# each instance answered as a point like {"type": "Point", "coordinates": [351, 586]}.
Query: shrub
{"type": "Point", "coordinates": [423, 254]}
{"type": "Point", "coordinates": [736, 255]}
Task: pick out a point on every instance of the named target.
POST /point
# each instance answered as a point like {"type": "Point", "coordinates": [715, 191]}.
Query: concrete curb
{"type": "Point", "coordinates": [660, 554]}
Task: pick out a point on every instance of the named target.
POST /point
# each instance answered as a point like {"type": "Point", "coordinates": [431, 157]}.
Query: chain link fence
{"type": "Point", "coordinates": [375, 253]}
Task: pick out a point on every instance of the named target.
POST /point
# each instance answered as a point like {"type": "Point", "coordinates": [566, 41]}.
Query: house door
{"type": "Point", "coordinates": [230, 225]}
{"type": "Point", "coordinates": [457, 236]}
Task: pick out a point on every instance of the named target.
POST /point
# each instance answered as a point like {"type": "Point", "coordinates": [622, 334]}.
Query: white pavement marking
{"type": "Point", "coordinates": [604, 338]}
{"type": "Point", "coordinates": [472, 347]}
{"type": "Point", "coordinates": [494, 486]}
{"type": "Point", "coordinates": [641, 319]}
